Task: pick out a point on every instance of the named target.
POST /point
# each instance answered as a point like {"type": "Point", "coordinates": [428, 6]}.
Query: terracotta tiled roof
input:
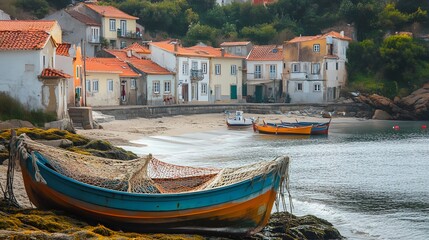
{"type": "Point", "coordinates": [149, 67]}
{"type": "Point", "coordinates": [138, 48]}
{"type": "Point", "coordinates": [310, 38]}
{"type": "Point", "coordinates": [109, 11]}
{"type": "Point", "coordinates": [23, 40]}
{"type": "Point", "coordinates": [82, 18]}
{"type": "Point", "coordinates": [213, 52]}
{"type": "Point", "coordinates": [113, 65]}
{"type": "Point", "coordinates": [46, 25]}
{"type": "Point", "coordinates": [120, 54]}
{"type": "Point", "coordinates": [227, 44]}
{"type": "Point", "coordinates": [63, 49]}
{"type": "Point", "coordinates": [266, 53]}
{"type": "Point", "coordinates": [53, 73]}
{"type": "Point", "coordinates": [195, 51]}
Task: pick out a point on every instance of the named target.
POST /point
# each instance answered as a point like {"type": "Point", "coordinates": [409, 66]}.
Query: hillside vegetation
{"type": "Point", "coordinates": [379, 61]}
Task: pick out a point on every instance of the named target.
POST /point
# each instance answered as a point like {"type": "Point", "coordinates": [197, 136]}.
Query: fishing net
{"type": "Point", "coordinates": [142, 175]}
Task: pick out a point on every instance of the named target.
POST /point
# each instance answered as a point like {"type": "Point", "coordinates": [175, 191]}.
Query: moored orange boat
{"type": "Point", "coordinates": [281, 129]}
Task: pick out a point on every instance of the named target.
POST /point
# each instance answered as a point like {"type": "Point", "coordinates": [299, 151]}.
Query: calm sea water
{"type": "Point", "coordinates": [370, 181]}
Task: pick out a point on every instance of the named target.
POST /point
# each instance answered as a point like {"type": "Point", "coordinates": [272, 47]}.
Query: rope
{"type": "Point", "coordinates": [9, 196]}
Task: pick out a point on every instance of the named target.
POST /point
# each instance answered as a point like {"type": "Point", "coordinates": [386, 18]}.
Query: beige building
{"type": "Point", "coordinates": [315, 67]}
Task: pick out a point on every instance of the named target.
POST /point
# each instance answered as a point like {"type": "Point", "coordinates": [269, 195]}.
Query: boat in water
{"type": "Point", "coordinates": [148, 195]}
{"type": "Point", "coordinates": [318, 128]}
{"type": "Point", "coordinates": [239, 120]}
{"type": "Point", "coordinates": [271, 128]}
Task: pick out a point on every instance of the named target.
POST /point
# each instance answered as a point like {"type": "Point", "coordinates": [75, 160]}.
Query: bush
{"type": "Point", "coordinates": [13, 109]}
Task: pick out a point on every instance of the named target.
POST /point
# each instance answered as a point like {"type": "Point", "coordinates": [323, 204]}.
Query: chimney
{"type": "Point", "coordinates": [222, 52]}
{"type": "Point", "coordinates": [342, 33]}
{"type": "Point", "coordinates": [129, 54]}
{"type": "Point", "coordinates": [175, 46]}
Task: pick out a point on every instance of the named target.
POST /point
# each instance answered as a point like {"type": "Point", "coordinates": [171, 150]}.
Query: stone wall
{"type": "Point", "coordinates": [129, 112]}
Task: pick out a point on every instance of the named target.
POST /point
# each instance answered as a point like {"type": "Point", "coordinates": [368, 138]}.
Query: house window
{"type": "Point", "coordinates": [217, 69]}
{"type": "Point", "coordinates": [295, 67]}
{"type": "Point", "coordinates": [315, 68]}
{"type": "Point", "coordinates": [233, 69]}
{"type": "Point", "coordinates": [258, 71]}
{"type": "Point", "coordinates": [204, 67]}
{"type": "Point", "coordinates": [316, 87]}
{"type": "Point", "coordinates": [194, 65]}
{"type": "Point", "coordinates": [316, 47]}
{"type": "Point", "coordinates": [273, 71]}
{"type": "Point", "coordinates": [204, 89]}
{"type": "Point", "coordinates": [112, 24]}
{"type": "Point", "coordinates": [88, 86]}
{"type": "Point", "coordinates": [238, 49]}
{"type": "Point", "coordinates": [77, 72]}
{"type": "Point", "coordinates": [185, 68]}
{"type": "Point", "coordinates": [299, 87]}
{"type": "Point", "coordinates": [95, 85]}
{"type": "Point", "coordinates": [44, 61]}
{"type": "Point", "coordinates": [336, 65]}
{"type": "Point", "coordinates": [156, 87]}
{"type": "Point", "coordinates": [133, 83]}
{"type": "Point", "coordinates": [326, 66]}
{"type": "Point", "coordinates": [167, 86]}
{"type": "Point", "coordinates": [110, 85]}
{"type": "Point", "coordinates": [123, 28]}
{"type": "Point", "coordinates": [95, 34]}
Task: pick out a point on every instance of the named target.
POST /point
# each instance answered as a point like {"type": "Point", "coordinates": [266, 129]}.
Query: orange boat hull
{"type": "Point", "coordinates": [270, 129]}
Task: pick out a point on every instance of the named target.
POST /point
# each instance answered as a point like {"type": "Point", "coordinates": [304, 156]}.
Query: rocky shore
{"type": "Point", "coordinates": [30, 223]}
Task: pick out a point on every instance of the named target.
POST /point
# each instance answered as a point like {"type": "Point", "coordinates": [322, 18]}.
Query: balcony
{"type": "Point", "coordinates": [298, 75]}
{"type": "Point", "coordinates": [197, 75]}
{"type": "Point", "coordinates": [130, 34]}
{"type": "Point", "coordinates": [94, 40]}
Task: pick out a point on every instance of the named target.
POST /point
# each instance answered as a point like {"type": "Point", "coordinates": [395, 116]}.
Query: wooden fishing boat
{"type": "Point", "coordinates": [270, 128]}
{"type": "Point", "coordinates": [148, 195]}
{"type": "Point", "coordinates": [317, 127]}
{"type": "Point", "coordinates": [239, 120]}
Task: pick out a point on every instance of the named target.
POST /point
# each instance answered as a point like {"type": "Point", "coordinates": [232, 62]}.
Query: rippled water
{"type": "Point", "coordinates": [370, 181]}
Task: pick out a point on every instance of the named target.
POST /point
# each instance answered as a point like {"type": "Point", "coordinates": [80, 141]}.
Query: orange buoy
{"type": "Point", "coordinates": [396, 127]}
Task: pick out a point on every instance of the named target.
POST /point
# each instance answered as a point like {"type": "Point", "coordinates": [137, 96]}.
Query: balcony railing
{"type": "Point", "coordinates": [94, 40]}
{"type": "Point", "coordinates": [130, 34]}
{"type": "Point", "coordinates": [197, 75]}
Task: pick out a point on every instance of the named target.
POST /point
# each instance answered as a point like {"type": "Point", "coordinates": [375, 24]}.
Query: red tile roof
{"type": "Point", "coordinates": [120, 54]}
{"type": "Point", "coordinates": [46, 25]}
{"type": "Point", "coordinates": [310, 38]}
{"type": "Point", "coordinates": [227, 44]}
{"type": "Point", "coordinates": [266, 53]}
{"type": "Point", "coordinates": [63, 49]}
{"type": "Point", "coordinates": [149, 67]}
{"type": "Point", "coordinates": [195, 51]}
{"type": "Point", "coordinates": [112, 65]}
{"type": "Point", "coordinates": [138, 48]}
{"type": "Point", "coordinates": [109, 11]}
{"type": "Point", "coordinates": [23, 40]}
{"type": "Point", "coordinates": [82, 18]}
{"type": "Point", "coordinates": [53, 73]}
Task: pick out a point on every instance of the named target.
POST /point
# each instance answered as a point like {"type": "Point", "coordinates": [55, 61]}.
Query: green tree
{"type": "Point", "coordinates": [37, 7]}
{"type": "Point", "coordinates": [200, 33]}
{"type": "Point", "coordinates": [401, 56]}
{"type": "Point", "coordinates": [215, 17]}
{"type": "Point", "coordinates": [260, 34]}
{"type": "Point", "coordinates": [363, 58]}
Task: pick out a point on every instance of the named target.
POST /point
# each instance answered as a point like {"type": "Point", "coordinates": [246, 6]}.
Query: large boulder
{"type": "Point", "coordinates": [381, 115]}
{"type": "Point", "coordinates": [417, 102]}
{"type": "Point", "coordinates": [15, 123]}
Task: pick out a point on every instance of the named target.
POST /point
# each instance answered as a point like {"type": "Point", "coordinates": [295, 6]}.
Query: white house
{"type": "Point", "coordinates": [190, 66]}
{"type": "Point", "coordinates": [27, 64]}
{"type": "Point", "coordinates": [264, 73]}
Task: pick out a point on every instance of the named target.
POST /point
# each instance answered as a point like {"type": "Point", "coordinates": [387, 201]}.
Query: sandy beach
{"type": "Point", "coordinates": [121, 132]}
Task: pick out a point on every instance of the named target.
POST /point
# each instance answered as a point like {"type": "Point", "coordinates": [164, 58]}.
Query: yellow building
{"type": "Point", "coordinates": [315, 67]}
{"type": "Point", "coordinates": [118, 28]}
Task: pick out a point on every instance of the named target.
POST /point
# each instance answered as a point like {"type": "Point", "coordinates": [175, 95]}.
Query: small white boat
{"type": "Point", "coordinates": [239, 120]}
